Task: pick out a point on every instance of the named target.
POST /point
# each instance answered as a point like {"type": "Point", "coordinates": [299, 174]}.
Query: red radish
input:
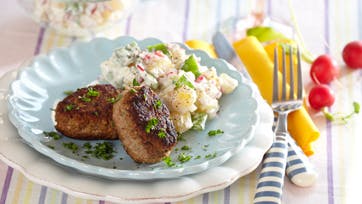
{"type": "Point", "coordinates": [352, 54]}
{"type": "Point", "coordinates": [324, 69]}
{"type": "Point", "coordinates": [321, 96]}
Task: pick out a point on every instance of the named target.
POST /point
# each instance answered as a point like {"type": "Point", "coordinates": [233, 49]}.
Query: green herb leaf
{"type": "Point", "coordinates": [211, 156]}
{"type": "Point", "coordinates": [53, 135]}
{"type": "Point", "coordinates": [204, 147]}
{"type": "Point", "coordinates": [168, 161]}
{"type": "Point", "coordinates": [191, 65]}
{"type": "Point", "coordinates": [151, 124]}
{"type": "Point", "coordinates": [132, 90]}
{"type": "Point", "coordinates": [69, 107]}
{"type": "Point", "coordinates": [199, 121]}
{"type": "Point", "coordinates": [158, 104]}
{"type": "Point", "coordinates": [135, 82]}
{"type": "Point", "coordinates": [212, 133]}
{"type": "Point", "coordinates": [71, 146]}
{"type": "Point", "coordinates": [68, 93]}
{"type": "Point", "coordinates": [162, 47]}
{"type": "Point", "coordinates": [185, 148]}
{"type": "Point", "coordinates": [51, 146]}
{"type": "Point", "coordinates": [183, 81]}
{"type": "Point", "coordinates": [87, 145]}
{"type": "Point", "coordinates": [92, 92]}
{"type": "Point", "coordinates": [180, 137]}
{"type": "Point", "coordinates": [182, 157]}
{"type": "Point", "coordinates": [114, 100]}
{"type": "Point", "coordinates": [103, 151]}
{"type": "Point", "coordinates": [85, 99]}
{"type": "Point", "coordinates": [161, 134]}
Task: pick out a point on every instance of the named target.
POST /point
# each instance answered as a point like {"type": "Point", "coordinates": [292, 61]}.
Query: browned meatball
{"type": "Point", "coordinates": [143, 125]}
{"type": "Point", "coordinates": [87, 113]}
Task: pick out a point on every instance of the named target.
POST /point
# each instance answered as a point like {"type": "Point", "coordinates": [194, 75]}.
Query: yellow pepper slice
{"type": "Point", "coordinates": [260, 68]}
{"type": "Point", "coordinates": [202, 45]}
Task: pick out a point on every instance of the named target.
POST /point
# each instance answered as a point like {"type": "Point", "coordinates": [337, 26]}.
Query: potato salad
{"type": "Point", "coordinates": [190, 90]}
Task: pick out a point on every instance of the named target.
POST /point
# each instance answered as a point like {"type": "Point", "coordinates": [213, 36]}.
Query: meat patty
{"type": "Point", "coordinates": [143, 125]}
{"type": "Point", "coordinates": [87, 113]}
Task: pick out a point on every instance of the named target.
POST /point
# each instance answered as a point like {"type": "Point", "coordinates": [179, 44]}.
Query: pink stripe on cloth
{"type": "Point", "coordinates": [10, 170]}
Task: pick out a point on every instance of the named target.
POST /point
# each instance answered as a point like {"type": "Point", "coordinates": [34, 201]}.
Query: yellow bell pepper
{"type": "Point", "coordinates": [260, 68]}
{"type": "Point", "coordinates": [202, 45]}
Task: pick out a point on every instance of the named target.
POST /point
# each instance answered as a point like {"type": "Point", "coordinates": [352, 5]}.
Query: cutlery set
{"type": "Point", "coordinates": [284, 156]}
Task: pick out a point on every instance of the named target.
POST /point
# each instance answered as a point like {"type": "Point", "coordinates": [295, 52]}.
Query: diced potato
{"type": "Point", "coordinates": [182, 122]}
{"type": "Point", "coordinates": [227, 83]}
{"type": "Point", "coordinates": [183, 100]}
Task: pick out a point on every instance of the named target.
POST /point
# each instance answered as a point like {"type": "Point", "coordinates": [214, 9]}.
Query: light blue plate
{"type": "Point", "coordinates": [41, 85]}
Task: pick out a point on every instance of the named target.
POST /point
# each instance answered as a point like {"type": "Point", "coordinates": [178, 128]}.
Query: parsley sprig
{"type": "Point", "coordinates": [212, 133]}
{"type": "Point", "coordinates": [151, 124]}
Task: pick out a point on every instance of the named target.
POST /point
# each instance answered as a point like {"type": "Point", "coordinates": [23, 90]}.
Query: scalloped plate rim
{"type": "Point", "coordinates": [126, 174]}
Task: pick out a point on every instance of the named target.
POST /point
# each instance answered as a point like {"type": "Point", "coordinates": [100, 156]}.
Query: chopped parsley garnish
{"type": "Point", "coordinates": [182, 157]}
{"type": "Point", "coordinates": [135, 82]}
{"type": "Point", "coordinates": [158, 104]}
{"type": "Point", "coordinates": [151, 124]}
{"type": "Point", "coordinates": [114, 100]}
{"type": "Point", "coordinates": [85, 99]}
{"type": "Point", "coordinates": [53, 135]}
{"type": "Point", "coordinates": [69, 107]}
{"type": "Point", "coordinates": [199, 121]}
{"type": "Point", "coordinates": [185, 148]}
{"type": "Point", "coordinates": [71, 146]}
{"type": "Point", "coordinates": [198, 157]}
{"type": "Point", "coordinates": [87, 145]}
{"type": "Point", "coordinates": [212, 133]}
{"type": "Point", "coordinates": [168, 161]}
{"type": "Point", "coordinates": [51, 146]}
{"type": "Point", "coordinates": [68, 93]}
{"type": "Point", "coordinates": [211, 156]}
{"type": "Point", "coordinates": [132, 90]}
{"type": "Point", "coordinates": [204, 147]}
{"type": "Point", "coordinates": [180, 137]}
{"type": "Point", "coordinates": [92, 92]}
{"type": "Point", "coordinates": [161, 134]}
{"type": "Point", "coordinates": [103, 150]}
{"type": "Point", "coordinates": [183, 81]}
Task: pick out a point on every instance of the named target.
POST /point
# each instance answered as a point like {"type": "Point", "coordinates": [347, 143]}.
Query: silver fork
{"type": "Point", "coordinates": [271, 178]}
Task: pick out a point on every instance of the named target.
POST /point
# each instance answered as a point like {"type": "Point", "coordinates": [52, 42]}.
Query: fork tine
{"type": "Point", "coordinates": [284, 80]}
{"type": "Point", "coordinates": [275, 76]}
{"type": "Point", "coordinates": [300, 82]}
{"type": "Point", "coordinates": [291, 74]}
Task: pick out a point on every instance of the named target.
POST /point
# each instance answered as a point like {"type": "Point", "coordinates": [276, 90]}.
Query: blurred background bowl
{"type": "Point", "coordinates": [80, 18]}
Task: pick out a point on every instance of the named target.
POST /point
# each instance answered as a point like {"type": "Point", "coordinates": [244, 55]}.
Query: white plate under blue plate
{"type": "Point", "coordinates": [41, 84]}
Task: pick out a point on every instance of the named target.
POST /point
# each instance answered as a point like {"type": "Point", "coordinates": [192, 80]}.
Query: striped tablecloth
{"type": "Point", "coordinates": [326, 26]}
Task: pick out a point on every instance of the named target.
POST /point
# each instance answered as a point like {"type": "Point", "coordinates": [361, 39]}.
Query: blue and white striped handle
{"type": "Point", "coordinates": [271, 178]}
{"type": "Point", "coordinates": [299, 169]}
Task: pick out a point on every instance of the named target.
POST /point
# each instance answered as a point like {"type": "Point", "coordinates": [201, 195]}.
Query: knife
{"type": "Point", "coordinates": [225, 51]}
{"type": "Point", "coordinates": [299, 169]}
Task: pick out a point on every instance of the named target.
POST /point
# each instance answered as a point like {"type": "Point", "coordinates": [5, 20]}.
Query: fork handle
{"type": "Point", "coordinates": [299, 169]}
{"type": "Point", "coordinates": [271, 178]}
